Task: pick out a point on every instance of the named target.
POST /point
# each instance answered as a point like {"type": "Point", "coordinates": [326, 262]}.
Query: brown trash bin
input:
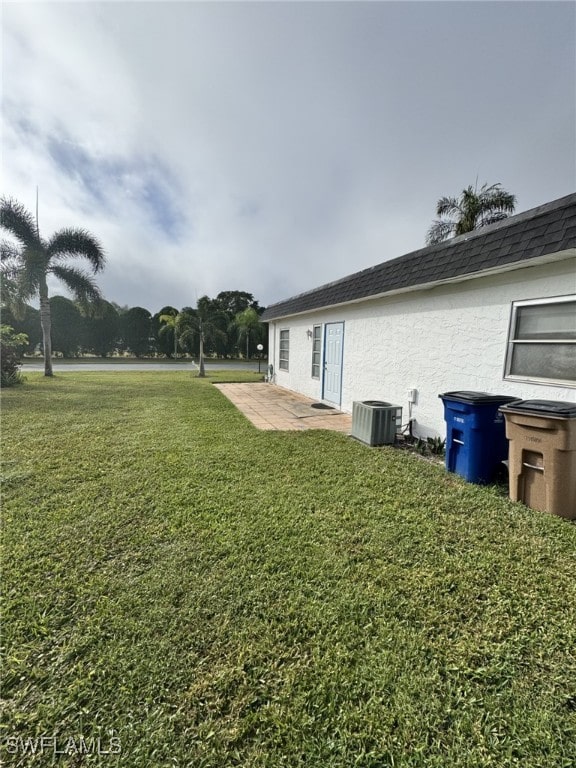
{"type": "Point", "coordinates": [542, 455]}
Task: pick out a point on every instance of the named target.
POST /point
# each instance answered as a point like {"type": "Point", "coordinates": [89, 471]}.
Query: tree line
{"type": "Point", "coordinates": [89, 323]}
{"type": "Point", "coordinates": [225, 326]}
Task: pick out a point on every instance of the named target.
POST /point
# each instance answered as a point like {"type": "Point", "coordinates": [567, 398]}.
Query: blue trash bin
{"type": "Point", "coordinates": [476, 443]}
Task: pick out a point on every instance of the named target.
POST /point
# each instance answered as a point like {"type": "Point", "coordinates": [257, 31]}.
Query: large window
{"type": "Point", "coordinates": [284, 350]}
{"type": "Point", "coordinates": [542, 341]}
{"type": "Point", "coordinates": [316, 350]}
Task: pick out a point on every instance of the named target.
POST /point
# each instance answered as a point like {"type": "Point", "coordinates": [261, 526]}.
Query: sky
{"type": "Point", "coordinates": [271, 147]}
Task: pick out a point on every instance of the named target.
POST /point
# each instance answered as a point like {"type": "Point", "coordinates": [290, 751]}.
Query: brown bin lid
{"type": "Point", "coordinates": [544, 407]}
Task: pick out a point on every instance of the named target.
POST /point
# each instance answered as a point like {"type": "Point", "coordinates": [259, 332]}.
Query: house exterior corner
{"type": "Point", "coordinates": [490, 311]}
{"type": "Point", "coordinates": [445, 338]}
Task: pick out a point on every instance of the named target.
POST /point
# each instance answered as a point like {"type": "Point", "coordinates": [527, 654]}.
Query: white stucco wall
{"type": "Point", "coordinates": [451, 337]}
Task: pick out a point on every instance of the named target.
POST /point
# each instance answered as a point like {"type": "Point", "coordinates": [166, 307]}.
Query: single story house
{"type": "Point", "coordinates": [493, 310]}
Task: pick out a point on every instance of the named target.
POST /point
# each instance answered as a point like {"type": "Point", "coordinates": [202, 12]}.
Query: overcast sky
{"type": "Point", "coordinates": [271, 147]}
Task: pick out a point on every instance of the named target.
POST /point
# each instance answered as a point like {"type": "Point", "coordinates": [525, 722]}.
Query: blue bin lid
{"type": "Point", "coordinates": [477, 397]}
{"type": "Point", "coordinates": [545, 407]}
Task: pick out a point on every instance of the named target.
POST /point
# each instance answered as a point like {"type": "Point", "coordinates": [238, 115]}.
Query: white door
{"type": "Point", "coordinates": [333, 349]}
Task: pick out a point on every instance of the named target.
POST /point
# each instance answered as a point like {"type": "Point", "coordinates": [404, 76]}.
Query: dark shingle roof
{"type": "Point", "coordinates": [537, 232]}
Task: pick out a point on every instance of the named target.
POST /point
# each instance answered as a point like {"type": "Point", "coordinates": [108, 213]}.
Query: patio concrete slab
{"type": "Point", "coordinates": [270, 407]}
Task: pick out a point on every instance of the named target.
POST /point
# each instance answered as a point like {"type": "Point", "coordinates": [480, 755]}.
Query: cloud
{"type": "Point", "coordinates": [143, 183]}
{"type": "Point", "coordinates": [270, 147]}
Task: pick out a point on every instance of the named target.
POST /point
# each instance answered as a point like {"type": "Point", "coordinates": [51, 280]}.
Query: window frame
{"type": "Point", "coordinates": [284, 362]}
{"type": "Point", "coordinates": [318, 351]}
{"type": "Point", "coordinates": [511, 342]}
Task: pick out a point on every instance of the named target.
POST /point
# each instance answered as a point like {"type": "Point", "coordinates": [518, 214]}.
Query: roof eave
{"type": "Point", "coordinates": [569, 253]}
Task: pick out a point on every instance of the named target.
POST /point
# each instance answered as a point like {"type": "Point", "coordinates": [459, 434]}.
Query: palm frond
{"type": "Point", "coordinates": [488, 191]}
{"type": "Point", "coordinates": [448, 206]}
{"type": "Point", "coordinates": [440, 231]}
{"type": "Point", "coordinates": [9, 252]}
{"type": "Point", "coordinates": [71, 243]}
{"type": "Point", "coordinates": [168, 326]}
{"type": "Point", "coordinates": [19, 222]}
{"type": "Point", "coordinates": [10, 296]}
{"type": "Point", "coordinates": [494, 198]}
{"type": "Point", "coordinates": [492, 218]}
{"type": "Point", "coordinates": [10, 269]}
{"type": "Point", "coordinates": [77, 281]}
{"type": "Point", "coordinates": [10, 261]}
{"type": "Point", "coordinates": [17, 286]}
{"type": "Point", "coordinates": [24, 267]}
{"type": "Point", "coordinates": [30, 275]}
{"type": "Point", "coordinates": [187, 335]}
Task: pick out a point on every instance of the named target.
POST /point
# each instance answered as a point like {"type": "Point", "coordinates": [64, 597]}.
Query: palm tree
{"type": "Point", "coordinates": [248, 324]}
{"type": "Point", "coordinates": [472, 210]}
{"type": "Point", "coordinates": [203, 323]}
{"type": "Point", "coordinates": [28, 264]}
{"type": "Point", "coordinates": [170, 323]}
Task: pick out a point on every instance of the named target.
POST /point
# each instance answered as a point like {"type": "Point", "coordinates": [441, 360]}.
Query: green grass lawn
{"type": "Point", "coordinates": [216, 596]}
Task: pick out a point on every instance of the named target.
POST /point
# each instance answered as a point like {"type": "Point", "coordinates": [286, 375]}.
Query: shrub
{"type": "Point", "coordinates": [11, 348]}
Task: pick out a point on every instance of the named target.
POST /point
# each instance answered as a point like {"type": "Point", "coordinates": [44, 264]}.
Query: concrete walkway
{"type": "Point", "coordinates": [268, 406]}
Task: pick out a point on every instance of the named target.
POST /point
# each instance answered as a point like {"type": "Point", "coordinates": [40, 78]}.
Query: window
{"type": "Point", "coordinates": [542, 341]}
{"type": "Point", "coordinates": [284, 350]}
{"type": "Point", "coordinates": [316, 348]}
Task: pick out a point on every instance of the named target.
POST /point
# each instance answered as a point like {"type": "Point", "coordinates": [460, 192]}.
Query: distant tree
{"type": "Point", "coordinates": [101, 328]}
{"type": "Point", "coordinates": [67, 326]}
{"type": "Point", "coordinates": [234, 302]}
{"type": "Point", "coordinates": [472, 210]}
{"type": "Point", "coordinates": [230, 304]}
{"type": "Point", "coordinates": [27, 322]}
{"type": "Point", "coordinates": [249, 327]}
{"type": "Point", "coordinates": [203, 323]}
{"type": "Point", "coordinates": [164, 328]}
{"type": "Point", "coordinates": [135, 328]}
{"type": "Point", "coordinates": [188, 339]}
{"type": "Point", "coordinates": [120, 308]}
{"type": "Point", "coordinates": [29, 262]}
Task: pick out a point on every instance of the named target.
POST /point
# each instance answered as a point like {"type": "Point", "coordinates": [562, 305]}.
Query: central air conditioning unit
{"type": "Point", "coordinates": [375, 422]}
